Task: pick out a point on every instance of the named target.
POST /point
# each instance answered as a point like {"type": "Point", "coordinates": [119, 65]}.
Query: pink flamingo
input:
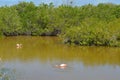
{"type": "Point", "coordinates": [61, 66]}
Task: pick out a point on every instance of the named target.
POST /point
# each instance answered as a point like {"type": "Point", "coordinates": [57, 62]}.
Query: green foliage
{"type": "Point", "coordinates": [117, 11]}
{"type": "Point", "coordinates": [82, 25]}
{"type": "Point", "coordinates": [7, 74]}
{"type": "Point", "coordinates": [9, 21]}
{"type": "Point", "coordinates": [92, 32]}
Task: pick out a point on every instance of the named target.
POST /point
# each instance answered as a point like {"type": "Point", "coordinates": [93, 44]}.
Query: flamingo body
{"type": "Point", "coordinates": [18, 45]}
{"type": "Point", "coordinates": [63, 65]}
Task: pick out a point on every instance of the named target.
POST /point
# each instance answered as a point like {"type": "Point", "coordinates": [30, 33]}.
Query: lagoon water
{"type": "Point", "coordinates": [38, 56]}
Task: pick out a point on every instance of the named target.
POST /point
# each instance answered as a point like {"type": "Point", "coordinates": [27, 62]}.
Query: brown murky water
{"type": "Point", "coordinates": [38, 57]}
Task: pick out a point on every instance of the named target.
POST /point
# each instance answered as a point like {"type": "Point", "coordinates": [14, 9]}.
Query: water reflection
{"type": "Point", "coordinates": [50, 49]}
{"type": "Point", "coordinates": [38, 57]}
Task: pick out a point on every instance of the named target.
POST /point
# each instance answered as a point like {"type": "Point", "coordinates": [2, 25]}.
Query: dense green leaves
{"type": "Point", "coordinates": [82, 25]}
{"type": "Point", "coordinates": [93, 32]}
{"type": "Point", "coordinates": [9, 21]}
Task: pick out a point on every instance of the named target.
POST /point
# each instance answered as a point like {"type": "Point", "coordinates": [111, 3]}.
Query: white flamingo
{"type": "Point", "coordinates": [19, 45]}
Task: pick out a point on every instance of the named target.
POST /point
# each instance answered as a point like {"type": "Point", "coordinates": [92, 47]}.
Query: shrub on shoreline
{"type": "Point", "coordinates": [83, 25]}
